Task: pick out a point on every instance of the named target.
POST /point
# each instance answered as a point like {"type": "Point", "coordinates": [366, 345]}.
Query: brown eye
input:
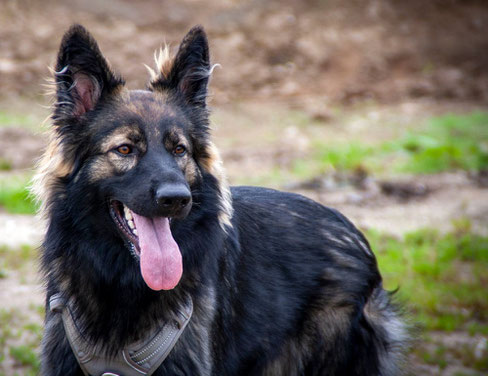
{"type": "Point", "coordinates": [124, 149]}
{"type": "Point", "coordinates": [180, 150]}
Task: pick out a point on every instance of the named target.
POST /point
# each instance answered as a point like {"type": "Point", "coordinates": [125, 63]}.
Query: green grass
{"type": "Point", "coordinates": [15, 258]}
{"type": "Point", "coordinates": [442, 276]}
{"type": "Point", "coordinates": [19, 341]}
{"type": "Point", "coordinates": [349, 157]}
{"type": "Point", "coordinates": [444, 143]}
{"type": "Point", "coordinates": [448, 142]}
{"type": "Point", "coordinates": [11, 119]}
{"type": "Point", "coordinates": [442, 279]}
{"type": "Point", "coordinates": [15, 197]}
{"type": "Point", "coordinates": [5, 165]}
{"type": "Point", "coordinates": [25, 356]}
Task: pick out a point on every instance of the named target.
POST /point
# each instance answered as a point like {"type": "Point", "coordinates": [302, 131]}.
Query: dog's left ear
{"type": "Point", "coordinates": [188, 74]}
{"type": "Point", "coordinates": [83, 76]}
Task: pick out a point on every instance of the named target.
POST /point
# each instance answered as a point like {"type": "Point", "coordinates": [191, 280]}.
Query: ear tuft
{"type": "Point", "coordinates": [188, 73]}
{"type": "Point", "coordinates": [82, 75]}
{"type": "Point", "coordinates": [163, 60]}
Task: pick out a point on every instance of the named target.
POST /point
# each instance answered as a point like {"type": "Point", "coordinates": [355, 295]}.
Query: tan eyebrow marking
{"type": "Point", "coordinates": [121, 135]}
{"type": "Point", "coordinates": [174, 137]}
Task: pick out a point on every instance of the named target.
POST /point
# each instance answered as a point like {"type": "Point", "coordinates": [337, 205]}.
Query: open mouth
{"type": "Point", "coordinates": [152, 244]}
{"type": "Point", "coordinates": [124, 220]}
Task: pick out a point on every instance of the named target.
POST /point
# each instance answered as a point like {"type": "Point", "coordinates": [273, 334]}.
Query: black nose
{"type": "Point", "coordinates": [173, 199]}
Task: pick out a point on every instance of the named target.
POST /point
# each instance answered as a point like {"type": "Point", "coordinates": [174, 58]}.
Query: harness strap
{"type": "Point", "coordinates": [140, 358]}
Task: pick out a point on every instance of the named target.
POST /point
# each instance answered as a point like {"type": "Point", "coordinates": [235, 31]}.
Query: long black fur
{"type": "Point", "coordinates": [281, 286]}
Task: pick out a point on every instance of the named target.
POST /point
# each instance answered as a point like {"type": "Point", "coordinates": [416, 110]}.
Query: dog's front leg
{"type": "Point", "coordinates": [57, 358]}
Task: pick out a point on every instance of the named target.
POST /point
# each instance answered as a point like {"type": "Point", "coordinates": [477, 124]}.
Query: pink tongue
{"type": "Point", "coordinates": [161, 264]}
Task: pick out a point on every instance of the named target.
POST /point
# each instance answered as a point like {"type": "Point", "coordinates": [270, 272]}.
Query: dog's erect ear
{"type": "Point", "coordinates": [82, 75]}
{"type": "Point", "coordinates": [190, 70]}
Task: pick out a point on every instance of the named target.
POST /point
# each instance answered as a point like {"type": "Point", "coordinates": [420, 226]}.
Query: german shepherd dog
{"type": "Point", "coordinates": [144, 234]}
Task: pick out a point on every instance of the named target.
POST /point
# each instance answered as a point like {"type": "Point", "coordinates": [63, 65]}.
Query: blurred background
{"type": "Point", "coordinates": [374, 107]}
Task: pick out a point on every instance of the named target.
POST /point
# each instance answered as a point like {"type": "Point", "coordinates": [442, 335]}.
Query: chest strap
{"type": "Point", "coordinates": [139, 358]}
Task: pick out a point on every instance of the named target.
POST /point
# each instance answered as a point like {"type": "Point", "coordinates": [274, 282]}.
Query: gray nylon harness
{"type": "Point", "coordinates": [140, 358]}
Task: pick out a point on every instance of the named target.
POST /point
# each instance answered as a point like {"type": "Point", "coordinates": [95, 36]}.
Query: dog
{"type": "Point", "coordinates": [153, 265]}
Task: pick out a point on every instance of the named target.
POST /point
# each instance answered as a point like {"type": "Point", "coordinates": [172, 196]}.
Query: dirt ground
{"type": "Point", "coordinates": [409, 59]}
{"type": "Point", "coordinates": [339, 51]}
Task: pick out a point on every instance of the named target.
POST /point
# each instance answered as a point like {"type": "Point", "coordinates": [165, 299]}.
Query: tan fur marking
{"type": "Point", "coordinates": [174, 137]}
{"type": "Point", "coordinates": [213, 164]}
{"type": "Point", "coordinates": [162, 96]}
{"type": "Point", "coordinates": [330, 322]}
{"type": "Point", "coordinates": [110, 162]}
{"type": "Point", "coordinates": [164, 64]}
{"type": "Point", "coordinates": [120, 136]}
{"type": "Point", "coordinates": [101, 168]}
{"type": "Point", "coordinates": [132, 106]}
{"type": "Point", "coordinates": [191, 171]}
{"type": "Point", "coordinates": [140, 107]}
{"type": "Point", "coordinates": [51, 167]}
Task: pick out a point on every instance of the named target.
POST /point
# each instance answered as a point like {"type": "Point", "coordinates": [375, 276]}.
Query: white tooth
{"type": "Point", "coordinates": [127, 213]}
{"type": "Point", "coordinates": [131, 225]}
{"type": "Point", "coordinates": [135, 232]}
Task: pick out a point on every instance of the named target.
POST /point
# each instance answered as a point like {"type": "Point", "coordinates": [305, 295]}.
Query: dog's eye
{"type": "Point", "coordinates": [180, 150]}
{"type": "Point", "coordinates": [124, 149]}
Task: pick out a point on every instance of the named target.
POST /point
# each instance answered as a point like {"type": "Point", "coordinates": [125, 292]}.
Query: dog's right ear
{"type": "Point", "coordinates": [83, 76]}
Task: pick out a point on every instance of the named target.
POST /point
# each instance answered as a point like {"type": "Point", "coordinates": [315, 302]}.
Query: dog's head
{"type": "Point", "coordinates": [136, 156]}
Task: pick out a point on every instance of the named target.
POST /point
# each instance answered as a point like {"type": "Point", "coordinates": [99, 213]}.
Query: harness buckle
{"type": "Point", "coordinates": [57, 303]}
